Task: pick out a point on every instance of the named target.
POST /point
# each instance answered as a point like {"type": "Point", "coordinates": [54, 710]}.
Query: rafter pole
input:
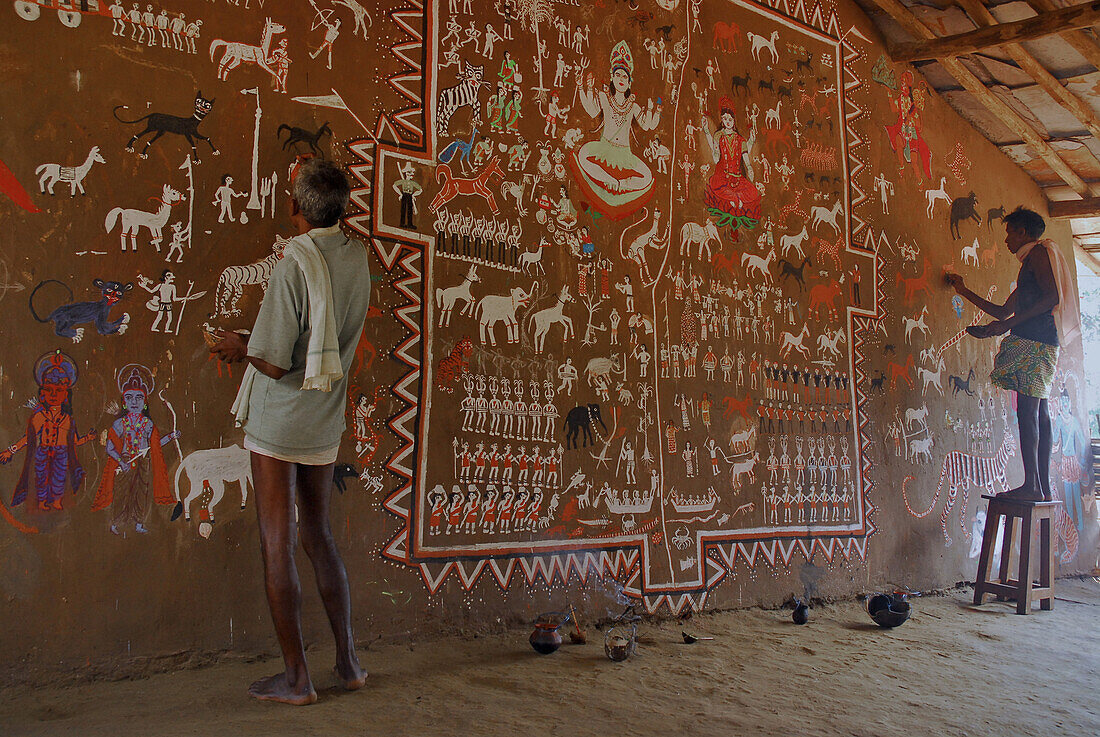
{"type": "Point", "coordinates": [1082, 42]}
{"type": "Point", "coordinates": [1077, 107]}
{"type": "Point", "coordinates": [1044, 24]}
{"type": "Point", "coordinates": [998, 107]}
{"type": "Point", "coordinates": [1089, 207]}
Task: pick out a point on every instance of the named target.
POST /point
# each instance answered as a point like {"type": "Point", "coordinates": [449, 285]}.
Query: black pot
{"type": "Point", "coordinates": [888, 610]}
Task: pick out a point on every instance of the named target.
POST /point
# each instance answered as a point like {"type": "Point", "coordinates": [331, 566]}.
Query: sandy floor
{"type": "Point", "coordinates": [951, 670]}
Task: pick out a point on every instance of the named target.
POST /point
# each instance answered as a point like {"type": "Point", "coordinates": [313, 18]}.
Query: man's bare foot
{"type": "Point", "coordinates": [1023, 494]}
{"type": "Point", "coordinates": [275, 688]}
{"type": "Point", "coordinates": [353, 676]}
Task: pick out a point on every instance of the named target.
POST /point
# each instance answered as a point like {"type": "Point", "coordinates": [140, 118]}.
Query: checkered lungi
{"type": "Point", "coordinates": [1025, 366]}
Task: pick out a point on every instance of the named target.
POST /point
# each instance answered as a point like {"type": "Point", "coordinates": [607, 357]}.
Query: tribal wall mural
{"type": "Point", "coordinates": [657, 310]}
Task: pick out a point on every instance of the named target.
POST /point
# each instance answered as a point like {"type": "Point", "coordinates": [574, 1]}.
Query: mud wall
{"type": "Point", "coordinates": [658, 313]}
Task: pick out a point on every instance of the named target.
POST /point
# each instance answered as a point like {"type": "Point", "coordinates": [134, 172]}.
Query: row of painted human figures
{"type": "Point", "coordinates": [813, 506]}
{"type": "Point", "coordinates": [477, 240]}
{"type": "Point", "coordinates": [807, 467]}
{"type": "Point", "coordinates": [502, 510]}
{"type": "Point", "coordinates": [780, 418]}
{"type": "Point", "coordinates": [173, 32]}
{"type": "Point", "coordinates": [505, 414]}
{"type": "Point", "coordinates": [797, 384]}
{"type": "Point", "coordinates": [496, 463]}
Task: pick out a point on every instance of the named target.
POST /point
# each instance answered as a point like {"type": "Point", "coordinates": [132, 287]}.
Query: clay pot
{"type": "Point", "coordinates": [801, 613]}
{"type": "Point", "coordinates": [546, 638]}
{"type": "Point", "coordinates": [889, 610]}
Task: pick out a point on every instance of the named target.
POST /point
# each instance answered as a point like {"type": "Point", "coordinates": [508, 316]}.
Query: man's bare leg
{"type": "Point", "coordinates": [273, 481]}
{"type": "Point", "coordinates": [1044, 450]}
{"type": "Point", "coordinates": [1027, 413]}
{"type": "Point", "coordinates": [314, 494]}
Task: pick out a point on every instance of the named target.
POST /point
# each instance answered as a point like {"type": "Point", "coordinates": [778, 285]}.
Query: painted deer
{"type": "Point", "coordinates": [51, 174]}
{"type": "Point", "coordinates": [452, 186]}
{"type": "Point", "coordinates": [445, 299]}
{"type": "Point", "coordinates": [133, 220]}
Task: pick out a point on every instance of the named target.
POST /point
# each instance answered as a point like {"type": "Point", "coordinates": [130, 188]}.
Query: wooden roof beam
{"type": "Point", "coordinates": [1047, 81]}
{"type": "Point", "coordinates": [1044, 24]}
{"type": "Point", "coordinates": [1082, 43]}
{"type": "Point", "coordinates": [1068, 209]}
{"type": "Point", "coordinates": [994, 104]}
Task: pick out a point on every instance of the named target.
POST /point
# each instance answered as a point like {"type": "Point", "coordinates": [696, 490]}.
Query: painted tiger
{"type": "Point", "coordinates": [463, 94]}
{"type": "Point", "coordinates": [234, 278]}
{"type": "Point", "coordinates": [453, 365]}
{"type": "Point", "coordinates": [962, 471]}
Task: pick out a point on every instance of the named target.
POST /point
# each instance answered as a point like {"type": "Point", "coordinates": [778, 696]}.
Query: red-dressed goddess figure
{"type": "Point", "coordinates": [731, 195]}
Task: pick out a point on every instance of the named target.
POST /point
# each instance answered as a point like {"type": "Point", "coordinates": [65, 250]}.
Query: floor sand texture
{"type": "Point", "coordinates": [953, 669]}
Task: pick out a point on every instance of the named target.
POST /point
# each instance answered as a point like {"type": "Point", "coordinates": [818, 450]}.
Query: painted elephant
{"type": "Point", "coordinates": [581, 418]}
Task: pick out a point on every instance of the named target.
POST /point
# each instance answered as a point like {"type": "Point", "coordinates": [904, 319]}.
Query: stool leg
{"type": "Point", "coordinates": [1046, 565]}
{"type": "Point", "coordinates": [989, 539]}
{"type": "Point", "coordinates": [1023, 590]}
{"type": "Point", "coordinates": [1006, 550]}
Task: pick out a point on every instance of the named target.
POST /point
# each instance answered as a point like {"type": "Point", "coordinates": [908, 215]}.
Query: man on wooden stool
{"type": "Point", "coordinates": [1040, 315]}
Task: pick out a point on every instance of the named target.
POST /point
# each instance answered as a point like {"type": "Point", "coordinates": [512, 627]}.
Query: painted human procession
{"type": "Point", "coordinates": [646, 313]}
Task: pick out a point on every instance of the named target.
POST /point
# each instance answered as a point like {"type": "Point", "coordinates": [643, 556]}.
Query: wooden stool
{"type": "Point", "coordinates": [1021, 588]}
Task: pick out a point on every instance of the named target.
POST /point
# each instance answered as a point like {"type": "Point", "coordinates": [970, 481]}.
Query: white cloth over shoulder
{"type": "Point", "coordinates": [323, 354]}
{"type": "Point", "coordinates": [1067, 314]}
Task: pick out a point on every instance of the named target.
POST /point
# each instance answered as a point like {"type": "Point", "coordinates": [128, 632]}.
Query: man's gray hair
{"type": "Point", "coordinates": [321, 190]}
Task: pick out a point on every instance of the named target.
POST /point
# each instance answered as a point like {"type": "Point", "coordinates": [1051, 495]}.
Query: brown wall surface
{"type": "Point", "coordinates": [700, 388]}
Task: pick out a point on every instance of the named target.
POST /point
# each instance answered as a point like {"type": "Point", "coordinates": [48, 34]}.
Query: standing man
{"type": "Point", "coordinates": [304, 339]}
{"type": "Point", "coordinates": [1039, 315]}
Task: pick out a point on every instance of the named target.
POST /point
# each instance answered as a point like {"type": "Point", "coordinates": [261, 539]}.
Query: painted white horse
{"type": "Point", "coordinates": [551, 315]}
{"type": "Point", "coordinates": [790, 342]}
{"type": "Point", "coordinates": [819, 215]}
{"type": "Point", "coordinates": [931, 196]}
{"type": "Point", "coordinates": [788, 243]}
{"type": "Point", "coordinates": [970, 253]}
{"type": "Point", "coordinates": [913, 414]}
{"type": "Point", "coordinates": [759, 43]}
{"type": "Point", "coordinates": [935, 378]}
{"type": "Point", "coordinates": [827, 344]}
{"type": "Point", "coordinates": [918, 324]}
{"type": "Point", "coordinates": [752, 262]}
{"type": "Point", "coordinates": [51, 174]}
{"type": "Point", "coordinates": [445, 299]}
{"type": "Point", "coordinates": [133, 220]}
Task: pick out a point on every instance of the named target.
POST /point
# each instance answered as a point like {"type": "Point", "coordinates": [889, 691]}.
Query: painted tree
{"type": "Point", "coordinates": [531, 14]}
